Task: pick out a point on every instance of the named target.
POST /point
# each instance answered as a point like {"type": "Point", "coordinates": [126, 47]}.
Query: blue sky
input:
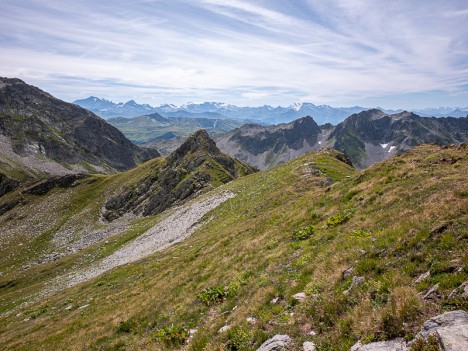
{"type": "Point", "coordinates": [393, 54]}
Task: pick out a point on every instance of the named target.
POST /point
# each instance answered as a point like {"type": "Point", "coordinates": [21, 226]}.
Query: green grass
{"type": "Point", "coordinates": [245, 255]}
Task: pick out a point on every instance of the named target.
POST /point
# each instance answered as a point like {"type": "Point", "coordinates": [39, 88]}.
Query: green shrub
{"type": "Point", "coordinates": [213, 294]}
{"type": "Point", "coordinates": [338, 219]}
{"type": "Point", "coordinates": [239, 340]}
{"type": "Point", "coordinates": [304, 233]}
{"type": "Point", "coordinates": [37, 313]}
{"type": "Point", "coordinates": [360, 234]}
{"type": "Point", "coordinates": [126, 326]}
{"type": "Point", "coordinates": [171, 335]}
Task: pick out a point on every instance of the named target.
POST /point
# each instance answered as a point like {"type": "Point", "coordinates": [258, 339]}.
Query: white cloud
{"type": "Point", "coordinates": [334, 52]}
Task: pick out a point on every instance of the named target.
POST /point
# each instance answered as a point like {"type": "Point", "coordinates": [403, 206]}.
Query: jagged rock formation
{"type": "Point", "coordinates": [196, 166]}
{"type": "Point", "coordinates": [371, 136]}
{"type": "Point", "coordinates": [40, 134]}
{"type": "Point", "coordinates": [264, 147]}
{"type": "Point", "coordinates": [366, 137]}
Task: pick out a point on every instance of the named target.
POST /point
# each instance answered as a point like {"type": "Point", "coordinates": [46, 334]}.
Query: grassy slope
{"type": "Point", "coordinates": [406, 216]}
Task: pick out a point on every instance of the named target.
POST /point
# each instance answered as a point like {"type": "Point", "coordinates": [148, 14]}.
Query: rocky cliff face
{"type": "Point", "coordinates": [265, 147]}
{"type": "Point", "coordinates": [373, 135]}
{"type": "Point", "coordinates": [43, 134]}
{"type": "Point", "coordinates": [366, 137]}
{"type": "Point", "coordinates": [195, 167]}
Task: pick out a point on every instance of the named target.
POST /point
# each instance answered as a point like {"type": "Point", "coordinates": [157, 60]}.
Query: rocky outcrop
{"type": "Point", "coordinates": [7, 184]}
{"type": "Point", "coordinates": [37, 124]}
{"type": "Point", "coordinates": [276, 343]}
{"type": "Point", "coordinates": [196, 166]}
{"type": "Point", "coordinates": [44, 186]}
{"type": "Point", "coordinates": [449, 329]}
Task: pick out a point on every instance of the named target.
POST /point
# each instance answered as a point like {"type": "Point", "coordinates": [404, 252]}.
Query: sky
{"type": "Point", "coordinates": [392, 54]}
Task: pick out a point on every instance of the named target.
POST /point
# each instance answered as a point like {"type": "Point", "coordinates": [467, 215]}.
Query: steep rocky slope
{"type": "Point", "coordinates": [366, 137]}
{"type": "Point", "coordinates": [196, 166]}
{"type": "Point", "coordinates": [373, 135]}
{"type": "Point", "coordinates": [311, 249]}
{"type": "Point", "coordinates": [41, 135]}
{"type": "Point", "coordinates": [267, 146]}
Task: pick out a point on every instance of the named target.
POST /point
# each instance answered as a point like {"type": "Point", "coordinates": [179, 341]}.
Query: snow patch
{"type": "Point", "coordinates": [385, 145]}
{"type": "Point", "coordinates": [391, 148]}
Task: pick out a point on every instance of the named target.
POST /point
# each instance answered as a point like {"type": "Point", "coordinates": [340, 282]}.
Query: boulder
{"type": "Point", "coordinates": [397, 344]}
{"type": "Point", "coordinates": [308, 346]}
{"type": "Point", "coordinates": [299, 296]}
{"type": "Point", "coordinates": [451, 328]}
{"type": "Point", "coordinates": [276, 343]}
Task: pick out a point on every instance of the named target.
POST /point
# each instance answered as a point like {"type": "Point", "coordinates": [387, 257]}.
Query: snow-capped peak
{"type": "Point", "coordinates": [296, 106]}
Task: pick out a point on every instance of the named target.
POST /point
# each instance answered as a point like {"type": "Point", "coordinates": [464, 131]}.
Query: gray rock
{"type": "Point", "coordinates": [356, 282]}
{"type": "Point", "coordinates": [274, 301]}
{"type": "Point", "coordinates": [465, 289]}
{"type": "Point", "coordinates": [397, 344]}
{"type": "Point", "coordinates": [423, 277]}
{"type": "Point", "coordinates": [251, 320]}
{"type": "Point", "coordinates": [451, 328]}
{"type": "Point", "coordinates": [309, 346]}
{"type": "Point", "coordinates": [276, 343]}
{"type": "Point", "coordinates": [300, 296]}
{"type": "Point", "coordinates": [224, 329]}
{"type": "Point", "coordinates": [347, 273]}
{"type": "Point", "coordinates": [431, 291]}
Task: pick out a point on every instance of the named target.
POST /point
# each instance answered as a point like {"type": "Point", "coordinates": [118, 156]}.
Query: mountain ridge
{"type": "Point", "coordinates": [44, 135]}
{"type": "Point", "coordinates": [267, 114]}
{"type": "Point", "coordinates": [365, 137]}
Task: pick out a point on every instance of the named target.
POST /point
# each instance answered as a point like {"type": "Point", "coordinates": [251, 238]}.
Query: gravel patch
{"type": "Point", "coordinates": [180, 223]}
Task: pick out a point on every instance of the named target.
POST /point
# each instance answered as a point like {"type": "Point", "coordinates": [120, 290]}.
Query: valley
{"type": "Point", "coordinates": [198, 250]}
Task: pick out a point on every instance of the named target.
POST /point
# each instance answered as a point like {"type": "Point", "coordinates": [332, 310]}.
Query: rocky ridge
{"type": "Point", "coordinates": [365, 137]}
{"type": "Point", "coordinates": [42, 135]}
{"type": "Point", "coordinates": [195, 167]}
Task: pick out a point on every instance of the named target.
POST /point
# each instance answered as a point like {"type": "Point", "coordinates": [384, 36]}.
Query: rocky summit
{"type": "Point", "coordinates": [195, 167]}
{"type": "Point", "coordinates": [41, 135]}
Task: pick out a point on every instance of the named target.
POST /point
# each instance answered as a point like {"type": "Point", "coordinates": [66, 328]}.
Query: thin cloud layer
{"type": "Point", "coordinates": [398, 54]}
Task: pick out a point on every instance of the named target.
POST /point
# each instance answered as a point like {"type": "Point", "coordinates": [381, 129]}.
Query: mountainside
{"type": "Point", "coordinates": [366, 137]}
{"type": "Point", "coordinates": [265, 114]}
{"type": "Point", "coordinates": [154, 127]}
{"type": "Point", "coordinates": [195, 167]}
{"type": "Point", "coordinates": [40, 134]}
{"type": "Point", "coordinates": [373, 135]}
{"type": "Point", "coordinates": [310, 249]}
{"type": "Point", "coordinates": [267, 146]}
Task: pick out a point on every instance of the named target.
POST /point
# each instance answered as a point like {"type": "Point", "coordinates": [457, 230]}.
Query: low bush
{"type": "Point", "coordinates": [213, 295]}
{"type": "Point", "coordinates": [304, 233]}
{"type": "Point", "coordinates": [171, 335]}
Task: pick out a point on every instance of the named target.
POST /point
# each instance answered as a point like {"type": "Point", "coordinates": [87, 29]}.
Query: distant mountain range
{"type": "Point", "coordinates": [264, 114]}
